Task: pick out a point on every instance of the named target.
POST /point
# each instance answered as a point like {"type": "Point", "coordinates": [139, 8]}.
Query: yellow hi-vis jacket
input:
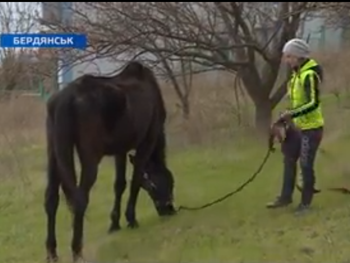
{"type": "Point", "coordinates": [304, 94]}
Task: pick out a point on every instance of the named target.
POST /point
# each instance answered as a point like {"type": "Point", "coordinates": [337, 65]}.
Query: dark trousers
{"type": "Point", "coordinates": [302, 145]}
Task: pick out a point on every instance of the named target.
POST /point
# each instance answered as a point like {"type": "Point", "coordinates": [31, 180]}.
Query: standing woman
{"type": "Point", "coordinates": [303, 137]}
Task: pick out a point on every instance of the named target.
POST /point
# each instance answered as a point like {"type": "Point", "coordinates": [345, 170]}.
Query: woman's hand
{"type": "Point", "coordinates": [284, 117]}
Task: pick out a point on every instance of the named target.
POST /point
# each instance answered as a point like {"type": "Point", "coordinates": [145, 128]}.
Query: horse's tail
{"type": "Point", "coordinates": [61, 116]}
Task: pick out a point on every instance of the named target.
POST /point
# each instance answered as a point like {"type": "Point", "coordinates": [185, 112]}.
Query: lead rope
{"type": "Point", "coordinates": [237, 190]}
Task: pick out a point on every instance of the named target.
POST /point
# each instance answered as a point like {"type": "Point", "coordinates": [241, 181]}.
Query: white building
{"type": "Point", "coordinates": [62, 11]}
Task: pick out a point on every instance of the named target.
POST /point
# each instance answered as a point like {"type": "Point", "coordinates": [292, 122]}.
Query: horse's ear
{"type": "Point", "coordinates": [132, 159]}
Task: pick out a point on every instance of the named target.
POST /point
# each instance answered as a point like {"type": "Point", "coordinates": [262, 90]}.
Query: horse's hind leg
{"type": "Point", "coordinates": [89, 167]}
{"type": "Point", "coordinates": [51, 205]}
{"type": "Point", "coordinates": [119, 188]}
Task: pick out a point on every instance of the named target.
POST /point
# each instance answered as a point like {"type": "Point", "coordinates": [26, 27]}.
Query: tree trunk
{"type": "Point", "coordinates": [185, 108]}
{"type": "Point", "coordinates": [263, 116]}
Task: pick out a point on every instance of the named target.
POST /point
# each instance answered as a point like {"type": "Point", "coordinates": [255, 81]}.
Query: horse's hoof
{"type": "Point", "coordinates": [114, 228]}
{"type": "Point", "coordinates": [52, 259]}
{"type": "Point", "coordinates": [77, 258]}
{"type": "Point", "coordinates": [133, 224]}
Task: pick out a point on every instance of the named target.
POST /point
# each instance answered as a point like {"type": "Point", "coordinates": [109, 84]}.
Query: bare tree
{"type": "Point", "coordinates": [241, 37]}
{"type": "Point", "coordinates": [336, 15]}
{"type": "Point", "coordinates": [17, 65]}
{"type": "Point", "coordinates": [180, 79]}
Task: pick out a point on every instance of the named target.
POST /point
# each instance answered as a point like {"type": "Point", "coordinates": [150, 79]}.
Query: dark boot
{"type": "Point", "coordinates": [279, 202]}
{"type": "Point", "coordinates": [302, 209]}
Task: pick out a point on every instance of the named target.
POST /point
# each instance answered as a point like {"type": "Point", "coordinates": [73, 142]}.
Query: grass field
{"type": "Point", "coordinates": [237, 230]}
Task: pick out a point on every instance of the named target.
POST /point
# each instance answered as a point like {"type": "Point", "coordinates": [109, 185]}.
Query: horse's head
{"type": "Point", "coordinates": [159, 184]}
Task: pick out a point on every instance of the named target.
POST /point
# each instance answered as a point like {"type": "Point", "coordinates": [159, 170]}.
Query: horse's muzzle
{"type": "Point", "coordinates": [167, 209]}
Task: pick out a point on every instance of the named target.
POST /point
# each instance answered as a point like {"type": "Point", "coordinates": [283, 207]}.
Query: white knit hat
{"type": "Point", "coordinates": [297, 47]}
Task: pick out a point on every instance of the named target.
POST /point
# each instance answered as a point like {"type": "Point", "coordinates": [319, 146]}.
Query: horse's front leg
{"type": "Point", "coordinates": [119, 188]}
{"type": "Point", "coordinates": [141, 158]}
{"type": "Point", "coordinates": [135, 186]}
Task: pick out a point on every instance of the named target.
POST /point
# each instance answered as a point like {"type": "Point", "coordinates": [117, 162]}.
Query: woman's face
{"type": "Point", "coordinates": [291, 60]}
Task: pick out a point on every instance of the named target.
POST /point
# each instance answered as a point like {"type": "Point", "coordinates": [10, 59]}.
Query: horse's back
{"type": "Point", "coordinates": [114, 112]}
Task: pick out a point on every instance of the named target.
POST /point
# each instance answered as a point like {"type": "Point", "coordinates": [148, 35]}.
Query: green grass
{"type": "Point", "coordinates": [237, 230]}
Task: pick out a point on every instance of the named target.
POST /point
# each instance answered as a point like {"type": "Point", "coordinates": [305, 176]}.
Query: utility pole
{"type": "Point", "coordinates": [64, 72]}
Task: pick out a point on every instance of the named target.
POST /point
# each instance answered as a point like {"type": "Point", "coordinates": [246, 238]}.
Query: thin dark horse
{"type": "Point", "coordinates": [99, 116]}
